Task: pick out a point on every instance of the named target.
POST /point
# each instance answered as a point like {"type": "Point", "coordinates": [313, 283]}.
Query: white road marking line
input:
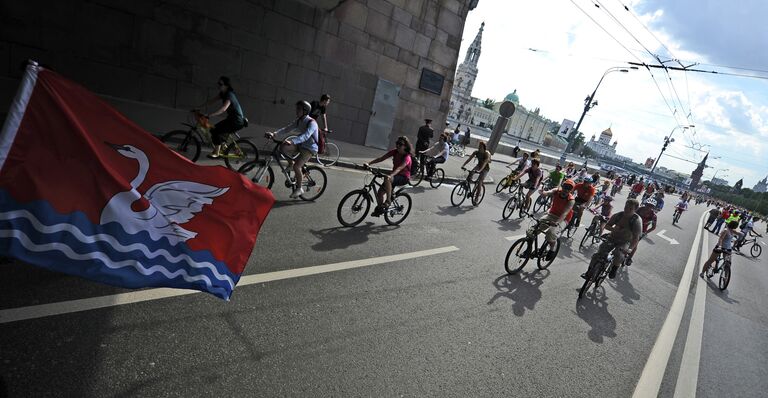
{"type": "Point", "coordinates": [514, 238]}
{"type": "Point", "coordinates": [66, 307]}
{"type": "Point", "coordinates": [653, 372]}
{"type": "Point", "coordinates": [688, 376]}
{"type": "Point", "coordinates": [671, 241]}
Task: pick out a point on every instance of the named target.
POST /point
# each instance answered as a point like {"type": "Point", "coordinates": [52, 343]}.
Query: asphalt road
{"type": "Point", "coordinates": [446, 322]}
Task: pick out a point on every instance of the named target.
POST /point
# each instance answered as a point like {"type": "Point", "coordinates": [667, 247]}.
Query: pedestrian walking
{"type": "Point", "coordinates": [424, 135]}
{"type": "Point", "coordinates": [516, 149]}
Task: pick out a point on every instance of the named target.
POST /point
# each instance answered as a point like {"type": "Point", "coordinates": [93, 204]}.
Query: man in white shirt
{"type": "Point", "coordinates": [438, 153]}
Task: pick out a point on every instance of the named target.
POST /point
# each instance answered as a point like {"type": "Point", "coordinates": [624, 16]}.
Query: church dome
{"type": "Point", "coordinates": [607, 132]}
{"type": "Point", "coordinates": [512, 97]}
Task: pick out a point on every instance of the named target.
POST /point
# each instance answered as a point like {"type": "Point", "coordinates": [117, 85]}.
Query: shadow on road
{"type": "Point", "coordinates": [289, 203]}
{"type": "Point", "coordinates": [723, 294]}
{"type": "Point", "coordinates": [513, 224]}
{"type": "Point", "coordinates": [453, 210]}
{"type": "Point", "coordinates": [622, 285]}
{"type": "Point", "coordinates": [344, 237]}
{"type": "Point", "coordinates": [522, 288]}
{"type": "Point", "coordinates": [593, 309]}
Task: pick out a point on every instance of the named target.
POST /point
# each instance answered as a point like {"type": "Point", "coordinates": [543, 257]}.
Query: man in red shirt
{"type": "Point", "coordinates": [561, 210]}
{"type": "Point", "coordinates": [637, 189]}
{"type": "Point", "coordinates": [719, 223]}
{"type": "Point", "coordinates": [584, 192]}
{"type": "Point", "coordinates": [647, 214]}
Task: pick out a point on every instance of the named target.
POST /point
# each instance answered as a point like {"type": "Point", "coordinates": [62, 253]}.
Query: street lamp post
{"type": "Point", "coordinates": [667, 140]}
{"type": "Point", "coordinates": [590, 103]}
{"type": "Point", "coordinates": [717, 171]}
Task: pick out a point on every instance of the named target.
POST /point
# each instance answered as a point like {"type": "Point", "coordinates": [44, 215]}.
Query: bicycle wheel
{"type": "Point", "coordinates": [240, 152]}
{"type": "Point", "coordinates": [330, 156]}
{"type": "Point", "coordinates": [725, 276]}
{"type": "Point", "coordinates": [586, 235]}
{"type": "Point", "coordinates": [521, 250]}
{"type": "Point", "coordinates": [542, 261]}
{"type": "Point", "coordinates": [399, 209]}
{"type": "Point", "coordinates": [353, 208]}
{"type": "Point", "coordinates": [182, 142]}
{"type": "Point", "coordinates": [502, 184]}
{"type": "Point", "coordinates": [459, 194]}
{"type": "Point", "coordinates": [522, 211]}
{"type": "Point", "coordinates": [569, 230]}
{"type": "Point", "coordinates": [418, 175]}
{"type": "Point", "coordinates": [258, 173]}
{"type": "Point", "coordinates": [540, 204]}
{"type": "Point", "coordinates": [476, 199]}
{"type": "Point", "coordinates": [755, 250]}
{"type": "Point", "coordinates": [437, 178]}
{"type": "Point", "coordinates": [314, 182]}
{"type": "Point", "coordinates": [509, 208]}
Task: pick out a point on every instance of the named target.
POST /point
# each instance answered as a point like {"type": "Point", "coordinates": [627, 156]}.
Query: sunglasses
{"type": "Point", "coordinates": [400, 144]}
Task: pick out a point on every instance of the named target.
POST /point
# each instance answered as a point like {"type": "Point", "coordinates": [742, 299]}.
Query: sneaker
{"type": "Point", "coordinates": [213, 156]}
{"type": "Point", "coordinates": [629, 262]}
{"type": "Point", "coordinates": [296, 193]}
{"type": "Point", "coordinates": [550, 255]}
{"type": "Point", "coordinates": [378, 211]}
{"type": "Point", "coordinates": [612, 273]}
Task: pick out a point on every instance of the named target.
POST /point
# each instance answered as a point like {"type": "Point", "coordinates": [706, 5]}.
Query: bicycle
{"type": "Point", "coordinates": [516, 202]}
{"type": "Point", "coordinates": [331, 153]}
{"type": "Point", "coordinates": [467, 189]}
{"type": "Point", "coordinates": [593, 231]}
{"type": "Point", "coordinates": [457, 150]}
{"type": "Point", "coordinates": [676, 216]}
{"type": "Point", "coordinates": [599, 268]}
{"type": "Point", "coordinates": [435, 178]}
{"type": "Point", "coordinates": [527, 248]}
{"type": "Point", "coordinates": [314, 182]}
{"type": "Point", "coordinates": [510, 181]}
{"type": "Point", "coordinates": [238, 151]}
{"type": "Point", "coordinates": [723, 267]}
{"type": "Point", "coordinates": [354, 206]}
{"type": "Point", "coordinates": [543, 202]}
{"type": "Point", "coordinates": [756, 249]}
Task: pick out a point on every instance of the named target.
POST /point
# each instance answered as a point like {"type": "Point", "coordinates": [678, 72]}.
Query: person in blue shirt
{"type": "Point", "coordinates": [234, 121]}
{"type": "Point", "coordinates": [306, 142]}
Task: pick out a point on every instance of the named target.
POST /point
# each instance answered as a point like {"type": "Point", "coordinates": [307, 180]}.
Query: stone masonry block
{"type": "Point", "coordinates": [450, 22]}
{"type": "Point", "coordinates": [442, 54]}
{"type": "Point", "coordinates": [107, 26]}
{"type": "Point", "coordinates": [156, 39]}
{"type": "Point", "coordinates": [357, 36]}
{"type": "Point", "coordinates": [239, 14]}
{"type": "Point", "coordinates": [391, 50]}
{"type": "Point", "coordinates": [352, 12]}
{"type": "Point", "coordinates": [326, 22]}
{"type": "Point", "coordinates": [382, 6]}
{"type": "Point", "coordinates": [431, 12]}
{"type": "Point", "coordinates": [143, 8]}
{"type": "Point", "coordinates": [288, 31]}
{"type": "Point", "coordinates": [158, 90]}
{"type": "Point", "coordinates": [264, 69]}
{"type": "Point", "coordinates": [303, 80]}
{"type": "Point", "coordinates": [301, 12]}
{"type": "Point", "coordinates": [414, 7]}
{"type": "Point", "coordinates": [452, 5]}
{"type": "Point", "coordinates": [453, 42]}
{"type": "Point", "coordinates": [330, 67]}
{"type": "Point", "coordinates": [284, 53]}
{"type": "Point", "coordinates": [392, 70]}
{"type": "Point", "coordinates": [367, 80]}
{"type": "Point", "coordinates": [430, 30]}
{"type": "Point", "coordinates": [412, 77]}
{"type": "Point", "coordinates": [421, 45]}
{"type": "Point", "coordinates": [261, 90]}
{"type": "Point", "coordinates": [344, 111]}
{"type": "Point", "coordinates": [216, 30]}
{"type": "Point", "coordinates": [358, 132]}
{"type": "Point", "coordinates": [179, 17]}
{"type": "Point", "coordinates": [331, 85]}
{"type": "Point", "coordinates": [405, 37]}
{"type": "Point", "coordinates": [363, 115]}
{"type": "Point", "coordinates": [402, 16]}
{"type": "Point", "coordinates": [366, 60]}
{"type": "Point", "coordinates": [249, 41]}
{"type": "Point", "coordinates": [335, 48]}
{"type": "Point", "coordinates": [381, 26]}
{"type": "Point", "coordinates": [409, 58]}
{"type": "Point", "coordinates": [376, 45]}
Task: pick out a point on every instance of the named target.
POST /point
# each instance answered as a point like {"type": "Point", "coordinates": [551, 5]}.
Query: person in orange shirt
{"type": "Point", "coordinates": [584, 192]}
{"type": "Point", "coordinates": [561, 210]}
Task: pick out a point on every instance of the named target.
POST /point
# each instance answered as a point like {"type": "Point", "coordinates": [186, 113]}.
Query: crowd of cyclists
{"type": "Point", "coordinates": [568, 190]}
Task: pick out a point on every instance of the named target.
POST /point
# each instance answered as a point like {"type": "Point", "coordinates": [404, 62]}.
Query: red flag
{"type": "Point", "coordinates": [87, 192]}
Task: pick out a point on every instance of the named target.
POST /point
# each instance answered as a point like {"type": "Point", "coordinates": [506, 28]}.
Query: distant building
{"type": "Point", "coordinates": [603, 147]}
{"type": "Point", "coordinates": [462, 103]}
{"type": "Point", "coordinates": [719, 181]}
{"type": "Point", "coordinates": [524, 123]}
{"type": "Point", "coordinates": [482, 116]}
{"type": "Point", "coordinates": [761, 186]}
{"type": "Point", "coordinates": [737, 187]}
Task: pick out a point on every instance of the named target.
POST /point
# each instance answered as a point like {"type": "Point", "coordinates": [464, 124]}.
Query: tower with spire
{"type": "Point", "coordinates": [466, 74]}
{"type": "Point", "coordinates": [761, 186]}
{"type": "Point", "coordinates": [696, 175]}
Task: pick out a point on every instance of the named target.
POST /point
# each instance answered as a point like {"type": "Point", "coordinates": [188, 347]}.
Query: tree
{"type": "Point", "coordinates": [488, 103]}
{"type": "Point", "coordinates": [588, 152]}
{"type": "Point", "coordinates": [578, 141]}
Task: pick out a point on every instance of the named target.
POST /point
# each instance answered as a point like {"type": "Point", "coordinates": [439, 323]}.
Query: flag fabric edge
{"type": "Point", "coordinates": [17, 110]}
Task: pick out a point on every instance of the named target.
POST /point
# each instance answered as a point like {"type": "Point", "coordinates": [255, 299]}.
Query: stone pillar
{"type": "Point", "coordinates": [506, 110]}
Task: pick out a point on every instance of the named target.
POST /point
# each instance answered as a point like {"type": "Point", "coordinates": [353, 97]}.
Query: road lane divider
{"type": "Point", "coordinates": [653, 372]}
{"type": "Point", "coordinates": [514, 238]}
{"type": "Point", "coordinates": [66, 307]}
{"type": "Point", "coordinates": [688, 376]}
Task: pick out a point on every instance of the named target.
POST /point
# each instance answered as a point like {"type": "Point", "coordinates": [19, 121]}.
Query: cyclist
{"type": "Point", "coordinates": [401, 173]}
{"type": "Point", "coordinates": [618, 183]}
{"type": "Point", "coordinates": [535, 176]}
{"type": "Point", "coordinates": [570, 170]}
{"type": "Point", "coordinates": [306, 142]}
{"type": "Point", "coordinates": [724, 245]}
{"type": "Point", "coordinates": [536, 154]}
{"type": "Point", "coordinates": [647, 214]}
{"type": "Point", "coordinates": [555, 177]}
{"type": "Point", "coordinates": [423, 136]}
{"type": "Point", "coordinates": [482, 167]}
{"type": "Point", "coordinates": [582, 175]}
{"type": "Point", "coordinates": [681, 206]}
{"type": "Point", "coordinates": [438, 153]}
{"type": "Point", "coordinates": [735, 216]}
{"type": "Point", "coordinates": [234, 121]}
{"type": "Point", "coordinates": [648, 191]}
{"type": "Point", "coordinates": [606, 207]}
{"type": "Point", "coordinates": [637, 189]}
{"type": "Point", "coordinates": [523, 162]}
{"type": "Point", "coordinates": [724, 216]}
{"type": "Point", "coordinates": [561, 210]}
{"type": "Point", "coordinates": [584, 192]}
{"type": "Point", "coordinates": [318, 110]}
{"type": "Point", "coordinates": [624, 233]}
{"type": "Point", "coordinates": [746, 228]}
{"type": "Point", "coordinates": [659, 200]}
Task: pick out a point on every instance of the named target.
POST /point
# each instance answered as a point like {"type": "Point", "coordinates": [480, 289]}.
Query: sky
{"type": "Point", "coordinates": [554, 52]}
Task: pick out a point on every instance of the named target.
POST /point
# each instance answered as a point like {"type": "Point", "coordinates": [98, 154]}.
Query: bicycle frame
{"type": "Point", "coordinates": [275, 155]}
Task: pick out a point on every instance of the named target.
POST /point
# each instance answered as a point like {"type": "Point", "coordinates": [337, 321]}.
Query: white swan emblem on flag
{"type": "Point", "coordinates": [171, 203]}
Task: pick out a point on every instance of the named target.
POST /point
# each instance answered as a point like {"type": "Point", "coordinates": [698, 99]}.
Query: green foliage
{"type": "Point", "coordinates": [488, 103]}
{"type": "Point", "coordinates": [746, 198]}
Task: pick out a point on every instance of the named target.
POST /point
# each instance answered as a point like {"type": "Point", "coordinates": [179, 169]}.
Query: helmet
{"type": "Point", "coordinates": [650, 202]}
{"type": "Point", "coordinates": [305, 106]}
{"type": "Point", "coordinates": [568, 184]}
{"type": "Point", "coordinates": [608, 198]}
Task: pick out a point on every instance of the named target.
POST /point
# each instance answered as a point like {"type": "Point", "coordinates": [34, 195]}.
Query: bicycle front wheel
{"type": "Point", "coordinates": [477, 196]}
{"type": "Point", "coordinates": [239, 153]}
{"type": "Point", "coordinates": [586, 235]}
{"type": "Point", "coordinates": [416, 177]}
{"type": "Point", "coordinates": [509, 208]}
{"type": "Point", "coordinates": [755, 250]}
{"type": "Point", "coordinates": [314, 182]}
{"type": "Point", "coordinates": [258, 173]}
{"type": "Point", "coordinates": [725, 276]}
{"type": "Point", "coordinates": [541, 203]}
{"type": "Point", "coordinates": [459, 194]}
{"type": "Point", "coordinates": [502, 184]}
{"type": "Point", "coordinates": [518, 256]}
{"type": "Point", "coordinates": [330, 156]}
{"type": "Point", "coordinates": [437, 178]}
{"type": "Point", "coordinates": [542, 262]}
{"type": "Point", "coordinates": [182, 142]}
{"type": "Point", "coordinates": [399, 209]}
{"type": "Point", "coordinates": [353, 208]}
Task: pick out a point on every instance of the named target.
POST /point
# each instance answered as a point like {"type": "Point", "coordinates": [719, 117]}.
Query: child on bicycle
{"type": "Point", "coordinates": [305, 142]}
{"type": "Point", "coordinates": [606, 207]}
{"type": "Point", "coordinates": [724, 245]}
{"type": "Point", "coordinates": [401, 173]}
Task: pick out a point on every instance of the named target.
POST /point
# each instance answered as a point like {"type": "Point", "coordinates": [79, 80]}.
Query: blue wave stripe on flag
{"type": "Point", "coordinates": [70, 243]}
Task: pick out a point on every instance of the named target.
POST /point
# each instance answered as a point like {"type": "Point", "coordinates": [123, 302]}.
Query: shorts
{"type": "Point", "coordinates": [529, 185]}
{"type": "Point", "coordinates": [480, 175]}
{"type": "Point", "coordinates": [618, 250]}
{"type": "Point", "coordinates": [224, 128]}
{"type": "Point", "coordinates": [554, 230]}
{"type": "Point", "coordinates": [304, 155]}
{"type": "Point", "coordinates": [399, 180]}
